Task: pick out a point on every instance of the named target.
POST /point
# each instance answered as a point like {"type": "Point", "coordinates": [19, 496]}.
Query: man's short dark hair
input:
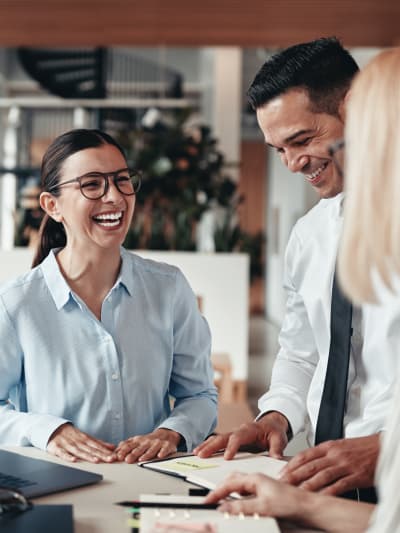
{"type": "Point", "coordinates": [322, 67]}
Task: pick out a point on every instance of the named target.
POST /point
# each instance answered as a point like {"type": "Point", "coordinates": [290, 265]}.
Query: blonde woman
{"type": "Point", "coordinates": [369, 264]}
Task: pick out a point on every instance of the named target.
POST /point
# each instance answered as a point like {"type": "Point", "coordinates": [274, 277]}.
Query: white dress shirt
{"type": "Point", "coordinates": [299, 371]}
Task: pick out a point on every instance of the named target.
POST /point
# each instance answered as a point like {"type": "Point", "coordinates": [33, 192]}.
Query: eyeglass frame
{"type": "Point", "coordinates": [106, 176]}
{"type": "Point", "coordinates": [20, 506]}
{"type": "Point", "coordinates": [333, 149]}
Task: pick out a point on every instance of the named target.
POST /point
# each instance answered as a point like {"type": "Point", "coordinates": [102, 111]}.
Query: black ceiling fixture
{"type": "Point", "coordinates": [69, 73]}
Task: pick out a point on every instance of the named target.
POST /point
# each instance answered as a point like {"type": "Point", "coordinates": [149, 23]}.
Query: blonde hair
{"type": "Point", "coordinates": [371, 236]}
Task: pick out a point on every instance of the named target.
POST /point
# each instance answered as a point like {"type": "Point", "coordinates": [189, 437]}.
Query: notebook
{"type": "Point", "coordinates": [34, 477]}
{"type": "Point", "coordinates": [160, 520]}
{"type": "Point", "coordinates": [212, 471]}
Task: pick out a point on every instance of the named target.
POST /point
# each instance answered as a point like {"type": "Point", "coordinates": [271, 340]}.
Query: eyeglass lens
{"type": "Point", "coordinates": [337, 154]}
{"type": "Point", "coordinates": [94, 186]}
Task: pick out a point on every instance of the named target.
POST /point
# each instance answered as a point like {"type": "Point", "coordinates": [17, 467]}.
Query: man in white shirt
{"type": "Point", "coordinates": [299, 97]}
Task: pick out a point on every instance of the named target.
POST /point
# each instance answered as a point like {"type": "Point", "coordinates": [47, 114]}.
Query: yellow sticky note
{"type": "Point", "coordinates": [188, 464]}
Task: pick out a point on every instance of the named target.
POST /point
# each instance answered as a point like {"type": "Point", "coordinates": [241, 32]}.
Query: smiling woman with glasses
{"type": "Point", "coordinates": [96, 340]}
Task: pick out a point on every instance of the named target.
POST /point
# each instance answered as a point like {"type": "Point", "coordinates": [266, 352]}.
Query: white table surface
{"type": "Point", "coordinates": [94, 509]}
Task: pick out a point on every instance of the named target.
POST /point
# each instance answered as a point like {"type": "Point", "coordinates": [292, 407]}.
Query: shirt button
{"type": "Point", "coordinates": [117, 416]}
{"type": "Point", "coordinates": [114, 376]}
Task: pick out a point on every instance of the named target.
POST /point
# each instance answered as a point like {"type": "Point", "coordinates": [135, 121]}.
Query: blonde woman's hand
{"type": "Point", "coordinates": [265, 496]}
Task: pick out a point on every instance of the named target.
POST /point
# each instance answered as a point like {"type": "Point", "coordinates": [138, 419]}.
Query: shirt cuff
{"type": "Point", "coordinates": [186, 443]}
{"type": "Point", "coordinates": [287, 409]}
{"type": "Point", "coordinates": [41, 429]}
{"type": "Point", "coordinates": [192, 436]}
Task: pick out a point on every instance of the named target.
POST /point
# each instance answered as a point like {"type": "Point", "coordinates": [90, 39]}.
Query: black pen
{"type": "Point", "coordinates": [169, 505]}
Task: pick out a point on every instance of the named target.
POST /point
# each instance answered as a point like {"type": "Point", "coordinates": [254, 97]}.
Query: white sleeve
{"type": "Point", "coordinates": [297, 358]}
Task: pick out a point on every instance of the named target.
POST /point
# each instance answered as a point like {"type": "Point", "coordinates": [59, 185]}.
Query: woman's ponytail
{"type": "Point", "coordinates": [51, 235]}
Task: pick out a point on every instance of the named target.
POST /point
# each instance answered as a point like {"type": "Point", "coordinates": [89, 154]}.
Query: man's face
{"type": "Point", "coordinates": [302, 138]}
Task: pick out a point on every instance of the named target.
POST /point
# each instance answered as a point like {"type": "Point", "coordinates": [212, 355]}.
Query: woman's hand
{"type": "Point", "coordinates": [72, 445]}
{"type": "Point", "coordinates": [267, 496]}
{"type": "Point", "coordinates": [158, 444]}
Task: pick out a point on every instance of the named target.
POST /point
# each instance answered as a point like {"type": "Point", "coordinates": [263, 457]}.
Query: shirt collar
{"type": "Point", "coordinates": [125, 276]}
{"type": "Point", "coordinates": [336, 204]}
{"type": "Point", "coordinates": [59, 288]}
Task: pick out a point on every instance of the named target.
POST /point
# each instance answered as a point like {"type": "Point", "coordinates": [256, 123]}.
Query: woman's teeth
{"type": "Point", "coordinates": [108, 219]}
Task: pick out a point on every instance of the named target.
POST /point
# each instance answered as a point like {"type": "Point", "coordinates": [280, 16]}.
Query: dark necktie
{"type": "Point", "coordinates": [331, 411]}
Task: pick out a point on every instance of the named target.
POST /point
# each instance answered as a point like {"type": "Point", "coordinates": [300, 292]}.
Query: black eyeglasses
{"type": "Point", "coordinates": [12, 501]}
{"type": "Point", "coordinates": [95, 185]}
{"type": "Point", "coordinates": [336, 152]}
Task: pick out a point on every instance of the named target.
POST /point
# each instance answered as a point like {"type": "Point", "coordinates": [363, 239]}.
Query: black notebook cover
{"type": "Point", "coordinates": [40, 519]}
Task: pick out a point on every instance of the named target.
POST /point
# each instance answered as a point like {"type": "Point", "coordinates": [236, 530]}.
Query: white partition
{"type": "Point", "coordinates": [221, 280]}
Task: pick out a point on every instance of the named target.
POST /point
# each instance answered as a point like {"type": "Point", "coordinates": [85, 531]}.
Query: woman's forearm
{"type": "Point", "coordinates": [332, 514]}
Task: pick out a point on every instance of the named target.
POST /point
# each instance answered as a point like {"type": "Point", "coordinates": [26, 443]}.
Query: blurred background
{"type": "Point", "coordinates": [169, 81]}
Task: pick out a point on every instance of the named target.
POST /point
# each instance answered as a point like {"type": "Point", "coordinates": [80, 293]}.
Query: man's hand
{"type": "Point", "coordinates": [334, 467]}
{"type": "Point", "coordinates": [72, 445]}
{"type": "Point", "coordinates": [268, 433]}
{"type": "Point", "coordinates": [158, 444]}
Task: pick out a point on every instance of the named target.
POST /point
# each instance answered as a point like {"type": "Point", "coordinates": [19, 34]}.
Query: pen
{"type": "Point", "coordinates": [169, 505]}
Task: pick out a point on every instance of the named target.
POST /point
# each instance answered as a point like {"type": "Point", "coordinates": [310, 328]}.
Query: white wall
{"type": "Point", "coordinates": [289, 197]}
{"type": "Point", "coordinates": [222, 281]}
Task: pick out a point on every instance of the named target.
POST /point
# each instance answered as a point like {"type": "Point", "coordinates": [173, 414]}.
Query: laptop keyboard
{"type": "Point", "coordinates": [12, 482]}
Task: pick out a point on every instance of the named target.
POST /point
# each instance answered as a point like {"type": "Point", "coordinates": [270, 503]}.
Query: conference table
{"type": "Point", "coordinates": [94, 506]}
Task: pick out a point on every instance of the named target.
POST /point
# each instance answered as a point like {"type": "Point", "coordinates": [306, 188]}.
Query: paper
{"type": "Point", "coordinates": [185, 465]}
{"type": "Point", "coordinates": [212, 471]}
{"type": "Point", "coordinates": [167, 520]}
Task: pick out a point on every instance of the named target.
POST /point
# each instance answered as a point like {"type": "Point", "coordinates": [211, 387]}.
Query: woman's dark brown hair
{"type": "Point", "coordinates": [51, 233]}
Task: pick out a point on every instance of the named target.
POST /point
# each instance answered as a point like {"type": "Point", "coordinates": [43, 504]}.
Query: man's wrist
{"type": "Point", "coordinates": [279, 417]}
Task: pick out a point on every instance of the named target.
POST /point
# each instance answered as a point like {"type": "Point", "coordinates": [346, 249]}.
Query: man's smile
{"type": "Point", "coordinates": [316, 176]}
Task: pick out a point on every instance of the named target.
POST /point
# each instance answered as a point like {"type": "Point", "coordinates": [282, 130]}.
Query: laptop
{"type": "Point", "coordinates": [34, 477]}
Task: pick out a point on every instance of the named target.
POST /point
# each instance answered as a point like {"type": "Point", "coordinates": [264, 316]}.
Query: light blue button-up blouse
{"type": "Point", "coordinates": [111, 378]}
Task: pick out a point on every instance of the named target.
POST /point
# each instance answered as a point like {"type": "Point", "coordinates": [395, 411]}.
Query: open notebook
{"type": "Point", "coordinates": [162, 520]}
{"type": "Point", "coordinates": [210, 472]}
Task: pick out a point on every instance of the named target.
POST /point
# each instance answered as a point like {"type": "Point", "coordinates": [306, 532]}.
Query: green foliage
{"type": "Point", "coordinates": [184, 175]}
